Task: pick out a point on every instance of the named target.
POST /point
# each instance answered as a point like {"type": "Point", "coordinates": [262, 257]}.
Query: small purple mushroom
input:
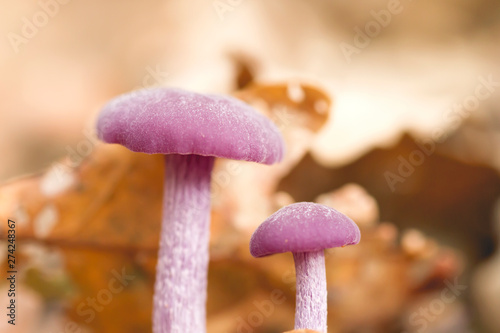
{"type": "Point", "coordinates": [306, 229]}
{"type": "Point", "coordinates": [191, 130]}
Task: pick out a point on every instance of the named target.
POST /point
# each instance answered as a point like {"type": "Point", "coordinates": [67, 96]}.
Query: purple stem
{"type": "Point", "coordinates": [181, 273]}
{"type": "Point", "coordinates": [311, 302]}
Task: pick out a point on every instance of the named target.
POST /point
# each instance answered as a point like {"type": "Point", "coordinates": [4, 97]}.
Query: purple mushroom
{"type": "Point", "coordinates": [306, 229]}
{"type": "Point", "coordinates": [191, 130]}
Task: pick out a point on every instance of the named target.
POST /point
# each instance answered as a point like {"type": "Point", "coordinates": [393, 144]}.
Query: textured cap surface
{"type": "Point", "coordinates": [174, 121]}
{"type": "Point", "coordinates": [303, 227]}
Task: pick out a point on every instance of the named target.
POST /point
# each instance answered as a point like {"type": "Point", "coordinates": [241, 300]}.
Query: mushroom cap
{"type": "Point", "coordinates": [175, 121]}
{"type": "Point", "coordinates": [303, 227]}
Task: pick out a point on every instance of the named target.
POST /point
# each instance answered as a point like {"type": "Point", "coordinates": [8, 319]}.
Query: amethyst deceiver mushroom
{"type": "Point", "coordinates": [191, 130]}
{"type": "Point", "coordinates": [306, 229]}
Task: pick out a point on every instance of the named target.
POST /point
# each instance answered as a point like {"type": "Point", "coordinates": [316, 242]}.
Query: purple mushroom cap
{"type": "Point", "coordinates": [303, 227]}
{"type": "Point", "coordinates": [175, 121]}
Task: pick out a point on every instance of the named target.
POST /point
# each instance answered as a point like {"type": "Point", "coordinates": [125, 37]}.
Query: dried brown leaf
{"type": "Point", "coordinates": [112, 201]}
{"type": "Point", "coordinates": [310, 104]}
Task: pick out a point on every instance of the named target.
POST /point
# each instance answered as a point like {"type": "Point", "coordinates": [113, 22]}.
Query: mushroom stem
{"type": "Point", "coordinates": [311, 297]}
{"type": "Point", "coordinates": [181, 273]}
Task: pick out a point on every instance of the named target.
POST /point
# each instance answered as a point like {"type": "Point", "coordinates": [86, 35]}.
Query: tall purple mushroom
{"type": "Point", "coordinates": [306, 229]}
{"type": "Point", "coordinates": [191, 130]}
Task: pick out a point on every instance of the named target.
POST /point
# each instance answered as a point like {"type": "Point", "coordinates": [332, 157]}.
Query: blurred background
{"type": "Point", "coordinates": [390, 111]}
